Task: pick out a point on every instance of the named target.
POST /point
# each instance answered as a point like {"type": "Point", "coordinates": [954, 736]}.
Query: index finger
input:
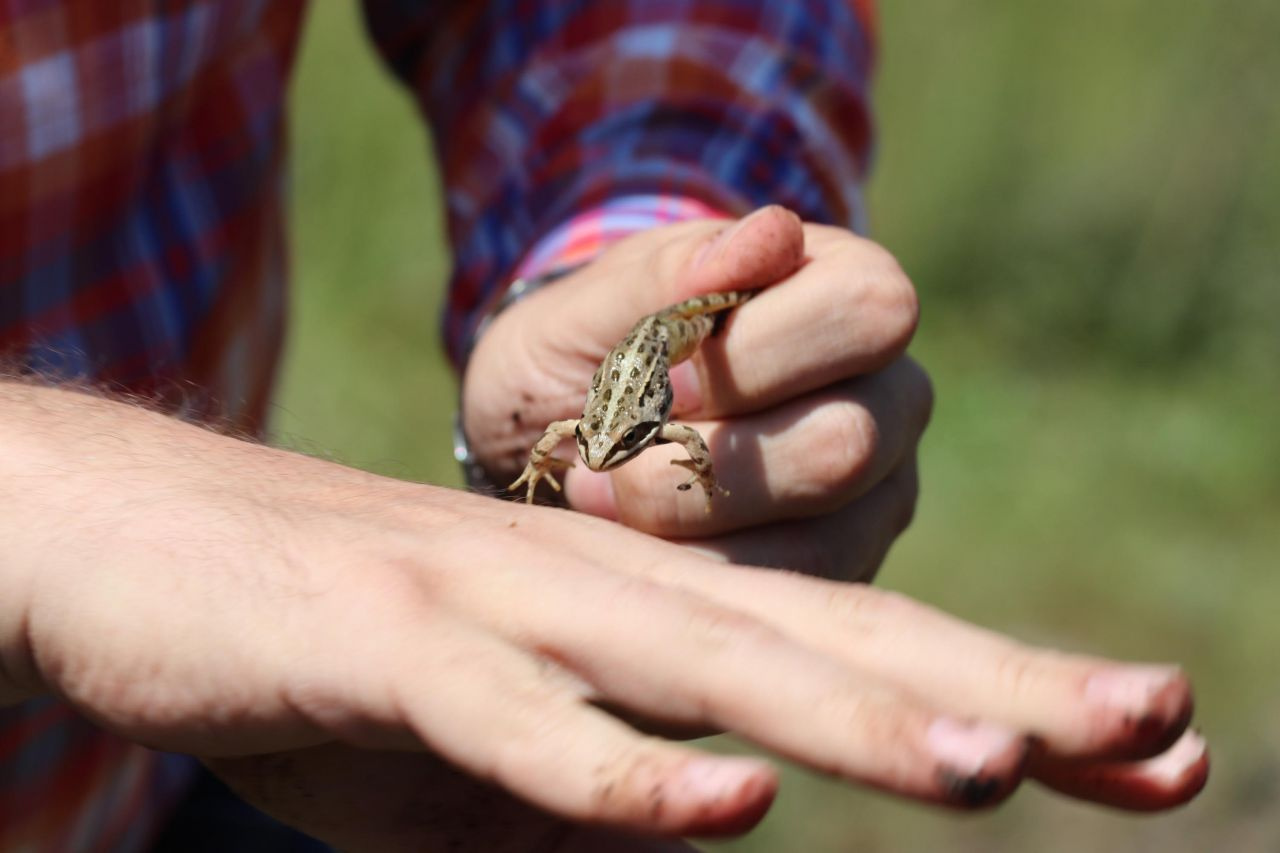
{"type": "Point", "coordinates": [847, 311]}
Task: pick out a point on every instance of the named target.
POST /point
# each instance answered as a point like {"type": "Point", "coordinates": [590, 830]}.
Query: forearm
{"type": "Point", "coordinates": [78, 473]}
{"type": "Point", "coordinates": [64, 456]}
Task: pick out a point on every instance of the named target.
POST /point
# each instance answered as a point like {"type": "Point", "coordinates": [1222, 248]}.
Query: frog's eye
{"type": "Point", "coordinates": [639, 434]}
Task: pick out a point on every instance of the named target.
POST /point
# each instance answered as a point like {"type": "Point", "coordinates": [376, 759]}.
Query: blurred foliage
{"type": "Point", "coordinates": [364, 377]}
{"type": "Point", "coordinates": [1086, 196]}
{"type": "Point", "coordinates": [1090, 181]}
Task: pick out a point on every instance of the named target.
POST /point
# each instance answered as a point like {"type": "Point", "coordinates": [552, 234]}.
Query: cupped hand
{"type": "Point", "coordinates": [271, 612]}
{"type": "Point", "coordinates": [811, 410]}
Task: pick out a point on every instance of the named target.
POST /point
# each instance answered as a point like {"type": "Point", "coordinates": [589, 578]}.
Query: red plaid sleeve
{"type": "Point", "coordinates": [545, 111]}
{"type": "Point", "coordinates": [141, 247]}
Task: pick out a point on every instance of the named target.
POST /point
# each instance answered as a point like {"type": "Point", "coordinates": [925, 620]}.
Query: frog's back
{"type": "Point", "coordinates": [688, 323]}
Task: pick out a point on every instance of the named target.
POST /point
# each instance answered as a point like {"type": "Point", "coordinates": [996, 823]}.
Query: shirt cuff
{"type": "Point", "coordinates": [581, 238]}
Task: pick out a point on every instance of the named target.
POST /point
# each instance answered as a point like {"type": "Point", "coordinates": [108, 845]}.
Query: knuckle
{"type": "Point", "coordinates": [317, 700]}
{"type": "Point", "coordinates": [1017, 673]}
{"type": "Point", "coordinates": [625, 785]}
{"type": "Point", "coordinates": [918, 392]}
{"type": "Point", "coordinates": [644, 491]}
{"type": "Point", "coordinates": [901, 309]}
{"type": "Point", "coordinates": [866, 609]}
{"type": "Point", "coordinates": [536, 728]}
{"type": "Point", "coordinates": [127, 705]}
{"type": "Point", "coordinates": [684, 242]}
{"type": "Point", "coordinates": [849, 709]}
{"type": "Point", "coordinates": [844, 442]}
{"type": "Point", "coordinates": [850, 608]}
{"type": "Point", "coordinates": [717, 628]}
{"type": "Point", "coordinates": [892, 296]}
{"type": "Point", "coordinates": [886, 727]}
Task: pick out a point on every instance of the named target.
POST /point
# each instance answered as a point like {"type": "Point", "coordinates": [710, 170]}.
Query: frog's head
{"type": "Point", "coordinates": [606, 449]}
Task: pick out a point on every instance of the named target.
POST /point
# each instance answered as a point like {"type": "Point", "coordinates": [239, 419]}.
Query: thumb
{"type": "Point", "coordinates": [761, 248]}
{"type": "Point", "coordinates": [649, 271]}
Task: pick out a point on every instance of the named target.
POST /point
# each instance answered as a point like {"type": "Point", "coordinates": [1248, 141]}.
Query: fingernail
{"type": "Point", "coordinates": [1171, 765]}
{"type": "Point", "coordinates": [721, 796]}
{"type": "Point", "coordinates": [1129, 688]}
{"type": "Point", "coordinates": [723, 778]}
{"type": "Point", "coordinates": [967, 748]}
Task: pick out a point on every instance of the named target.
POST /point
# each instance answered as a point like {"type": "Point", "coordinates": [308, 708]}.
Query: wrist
{"type": "Point", "coordinates": [474, 472]}
{"type": "Point", "coordinates": [566, 248]}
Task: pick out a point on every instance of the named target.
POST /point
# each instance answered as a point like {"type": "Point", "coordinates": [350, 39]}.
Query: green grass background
{"type": "Point", "coordinates": [1086, 197]}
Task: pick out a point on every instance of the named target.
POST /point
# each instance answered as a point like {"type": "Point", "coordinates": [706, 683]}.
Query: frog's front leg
{"type": "Point", "coordinates": [699, 461]}
{"type": "Point", "coordinates": [541, 462]}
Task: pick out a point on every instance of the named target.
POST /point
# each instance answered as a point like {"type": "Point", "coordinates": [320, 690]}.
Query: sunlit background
{"type": "Point", "coordinates": [1086, 196]}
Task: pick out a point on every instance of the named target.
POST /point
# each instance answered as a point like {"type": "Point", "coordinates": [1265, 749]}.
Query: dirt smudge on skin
{"type": "Point", "coordinates": [971, 791]}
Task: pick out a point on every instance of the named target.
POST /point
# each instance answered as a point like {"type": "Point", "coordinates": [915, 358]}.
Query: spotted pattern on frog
{"type": "Point", "coordinates": [630, 399]}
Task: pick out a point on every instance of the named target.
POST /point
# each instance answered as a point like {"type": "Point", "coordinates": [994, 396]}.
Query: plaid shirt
{"type": "Point", "coordinates": [142, 230]}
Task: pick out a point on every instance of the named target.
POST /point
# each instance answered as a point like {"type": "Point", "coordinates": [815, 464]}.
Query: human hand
{"type": "Point", "coordinates": [809, 406]}
{"type": "Point", "coordinates": [269, 611]}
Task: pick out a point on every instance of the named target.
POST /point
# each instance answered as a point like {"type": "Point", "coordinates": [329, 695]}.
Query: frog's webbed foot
{"type": "Point", "coordinates": [704, 478]}
{"type": "Point", "coordinates": [542, 463]}
{"type": "Point", "coordinates": [535, 471]}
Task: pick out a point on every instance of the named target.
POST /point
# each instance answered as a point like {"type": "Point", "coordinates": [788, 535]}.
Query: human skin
{"type": "Point", "coordinates": [811, 409]}
{"type": "Point", "coordinates": [390, 665]}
